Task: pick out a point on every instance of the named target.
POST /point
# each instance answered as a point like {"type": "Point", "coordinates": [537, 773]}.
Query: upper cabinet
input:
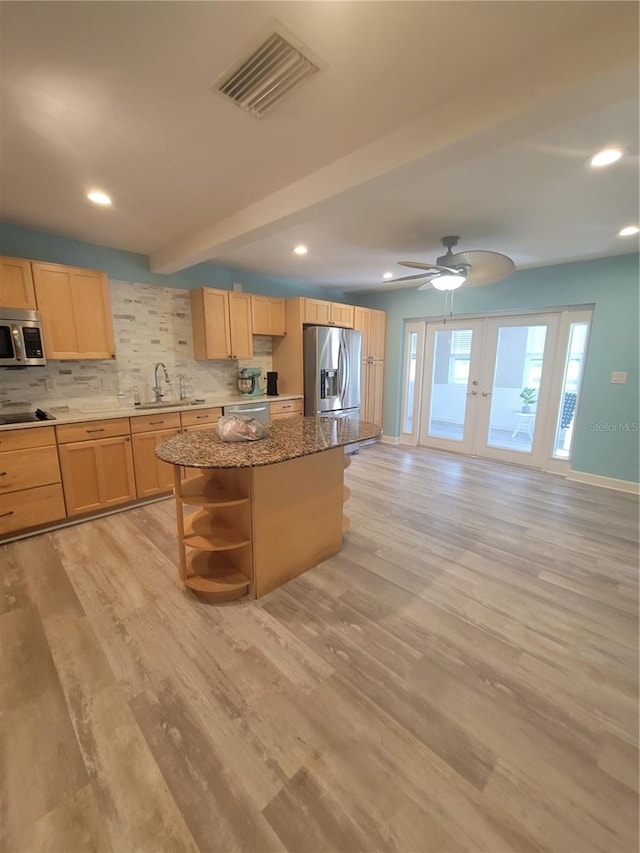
{"type": "Point", "coordinates": [76, 311]}
{"type": "Point", "coordinates": [221, 322]}
{"type": "Point", "coordinates": [16, 284]}
{"type": "Point", "coordinates": [267, 315]}
{"type": "Point", "coordinates": [372, 324]}
{"type": "Point", "coordinates": [321, 313]}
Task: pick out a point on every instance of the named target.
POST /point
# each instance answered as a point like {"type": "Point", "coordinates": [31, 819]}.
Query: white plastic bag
{"type": "Point", "coordinates": [240, 428]}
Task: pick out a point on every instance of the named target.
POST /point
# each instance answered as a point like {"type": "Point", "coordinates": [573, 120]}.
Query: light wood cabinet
{"type": "Point", "coordinates": [97, 474]}
{"type": "Point", "coordinates": [200, 419]}
{"type": "Point", "coordinates": [285, 409]}
{"type": "Point", "coordinates": [30, 490]}
{"type": "Point", "coordinates": [221, 322]}
{"type": "Point", "coordinates": [267, 315]}
{"type": "Point", "coordinates": [16, 284]}
{"type": "Point", "coordinates": [372, 388]}
{"type": "Point", "coordinates": [342, 315]}
{"type": "Point", "coordinates": [76, 312]}
{"type": "Point", "coordinates": [155, 423]}
{"type": "Point", "coordinates": [153, 477]}
{"type": "Point", "coordinates": [85, 430]}
{"type": "Point", "coordinates": [317, 312]}
{"type": "Point", "coordinates": [372, 324]}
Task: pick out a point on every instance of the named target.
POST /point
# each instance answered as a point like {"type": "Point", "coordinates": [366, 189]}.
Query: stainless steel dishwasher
{"type": "Point", "coordinates": [259, 411]}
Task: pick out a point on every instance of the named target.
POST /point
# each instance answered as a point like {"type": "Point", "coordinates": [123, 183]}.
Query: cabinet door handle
{"type": "Point", "coordinates": [201, 417]}
{"type": "Point", "coordinates": [155, 423]}
{"type": "Point", "coordinates": [5, 514]}
{"type": "Point", "coordinates": [96, 430]}
{"type": "Point", "coordinates": [3, 473]}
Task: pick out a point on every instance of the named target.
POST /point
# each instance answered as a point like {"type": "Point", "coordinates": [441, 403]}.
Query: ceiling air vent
{"type": "Point", "coordinates": [262, 80]}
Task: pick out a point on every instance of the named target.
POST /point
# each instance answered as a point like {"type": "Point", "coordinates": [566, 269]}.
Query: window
{"type": "Point", "coordinates": [460, 356]}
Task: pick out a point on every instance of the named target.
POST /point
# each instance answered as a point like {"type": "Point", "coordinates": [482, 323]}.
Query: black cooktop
{"type": "Point", "coordinates": [25, 417]}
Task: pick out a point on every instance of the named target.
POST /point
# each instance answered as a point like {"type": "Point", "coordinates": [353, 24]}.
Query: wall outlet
{"type": "Point", "coordinates": [619, 377]}
{"type": "Point", "coordinates": [49, 384]}
{"type": "Point", "coordinates": [237, 288]}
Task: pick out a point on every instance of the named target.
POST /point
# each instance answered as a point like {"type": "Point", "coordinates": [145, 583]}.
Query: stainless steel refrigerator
{"type": "Point", "coordinates": [332, 371]}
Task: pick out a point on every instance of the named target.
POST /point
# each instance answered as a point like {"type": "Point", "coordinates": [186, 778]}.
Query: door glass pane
{"type": "Point", "coordinates": [412, 356]}
{"type": "Point", "coordinates": [570, 390]}
{"type": "Point", "coordinates": [516, 382]}
{"type": "Point", "coordinates": [451, 357]}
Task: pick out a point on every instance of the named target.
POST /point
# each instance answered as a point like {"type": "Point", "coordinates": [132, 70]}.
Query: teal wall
{"type": "Point", "coordinates": [19, 242]}
{"type": "Point", "coordinates": [612, 285]}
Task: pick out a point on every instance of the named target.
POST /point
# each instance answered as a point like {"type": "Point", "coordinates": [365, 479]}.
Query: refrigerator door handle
{"type": "Point", "coordinates": [344, 372]}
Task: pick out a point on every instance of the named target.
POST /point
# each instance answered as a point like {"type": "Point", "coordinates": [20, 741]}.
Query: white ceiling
{"type": "Point", "coordinates": [428, 118]}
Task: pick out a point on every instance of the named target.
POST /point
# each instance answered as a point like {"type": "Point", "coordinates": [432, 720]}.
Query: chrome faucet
{"type": "Point", "coordinates": [157, 389]}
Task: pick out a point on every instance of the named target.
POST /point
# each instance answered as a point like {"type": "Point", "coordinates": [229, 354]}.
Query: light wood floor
{"type": "Point", "coordinates": [462, 677]}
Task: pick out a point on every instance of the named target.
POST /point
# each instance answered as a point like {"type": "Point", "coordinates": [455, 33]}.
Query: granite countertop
{"type": "Point", "coordinates": [105, 412]}
{"type": "Point", "coordinates": [288, 439]}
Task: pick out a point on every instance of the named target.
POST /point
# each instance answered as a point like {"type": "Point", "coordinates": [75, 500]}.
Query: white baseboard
{"type": "Point", "coordinates": [605, 482]}
{"type": "Point", "coordinates": [389, 439]}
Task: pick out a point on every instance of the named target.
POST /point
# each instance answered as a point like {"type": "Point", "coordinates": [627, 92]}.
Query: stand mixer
{"type": "Point", "coordinates": [248, 381]}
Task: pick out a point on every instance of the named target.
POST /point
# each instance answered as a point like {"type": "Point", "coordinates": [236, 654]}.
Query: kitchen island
{"type": "Point", "coordinates": [269, 509]}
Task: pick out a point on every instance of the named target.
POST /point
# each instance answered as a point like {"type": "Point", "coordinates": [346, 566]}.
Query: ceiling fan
{"type": "Point", "coordinates": [452, 270]}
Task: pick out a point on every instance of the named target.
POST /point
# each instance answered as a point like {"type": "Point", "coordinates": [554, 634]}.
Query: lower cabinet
{"type": "Point", "coordinates": [372, 386]}
{"type": "Point", "coordinates": [97, 474]}
{"type": "Point", "coordinates": [30, 489]}
{"type": "Point", "coordinates": [198, 419]}
{"type": "Point", "coordinates": [153, 477]}
{"type": "Point", "coordinates": [285, 409]}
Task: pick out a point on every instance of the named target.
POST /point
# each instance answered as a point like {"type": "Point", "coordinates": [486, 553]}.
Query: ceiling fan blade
{"type": "Point", "coordinates": [433, 267]}
{"type": "Point", "coordinates": [484, 267]}
{"type": "Point", "coordinates": [409, 278]}
{"type": "Point", "coordinates": [425, 286]}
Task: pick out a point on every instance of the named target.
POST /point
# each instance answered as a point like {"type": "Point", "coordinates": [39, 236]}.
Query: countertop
{"type": "Point", "coordinates": [100, 413]}
{"type": "Point", "coordinates": [288, 439]}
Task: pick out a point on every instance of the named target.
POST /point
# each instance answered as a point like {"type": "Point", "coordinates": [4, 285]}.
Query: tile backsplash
{"type": "Point", "coordinates": [151, 324]}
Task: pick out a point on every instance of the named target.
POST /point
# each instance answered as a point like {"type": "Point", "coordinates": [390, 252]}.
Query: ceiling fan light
{"type": "Point", "coordinates": [448, 282]}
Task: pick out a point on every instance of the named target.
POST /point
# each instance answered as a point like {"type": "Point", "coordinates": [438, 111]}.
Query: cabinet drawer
{"type": "Point", "coordinates": [31, 508]}
{"type": "Point", "coordinates": [19, 439]}
{"type": "Point", "coordinates": [151, 423]}
{"type": "Point", "coordinates": [92, 429]}
{"type": "Point", "coordinates": [285, 407]}
{"type": "Point", "coordinates": [202, 417]}
{"type": "Point", "coordinates": [284, 415]}
{"type": "Point", "coordinates": [24, 469]}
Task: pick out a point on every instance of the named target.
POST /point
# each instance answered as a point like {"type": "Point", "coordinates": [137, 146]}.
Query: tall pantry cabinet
{"type": "Point", "coordinates": [372, 324]}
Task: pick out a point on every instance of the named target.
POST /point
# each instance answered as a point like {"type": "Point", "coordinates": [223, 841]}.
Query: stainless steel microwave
{"type": "Point", "coordinates": [20, 338]}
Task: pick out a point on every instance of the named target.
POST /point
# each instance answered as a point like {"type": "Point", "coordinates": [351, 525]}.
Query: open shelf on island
{"type": "Point", "coordinates": [203, 530]}
{"type": "Point", "coordinates": [207, 491]}
{"type": "Point", "coordinates": [211, 575]}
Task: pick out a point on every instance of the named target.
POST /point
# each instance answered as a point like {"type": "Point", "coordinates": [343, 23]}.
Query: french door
{"type": "Point", "coordinates": [486, 387]}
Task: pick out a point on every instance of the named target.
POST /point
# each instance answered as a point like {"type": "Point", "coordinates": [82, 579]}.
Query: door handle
{"type": "Point", "coordinates": [486, 394]}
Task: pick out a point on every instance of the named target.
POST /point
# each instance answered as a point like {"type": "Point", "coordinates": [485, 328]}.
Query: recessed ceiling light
{"type": "Point", "coordinates": [606, 157]}
{"type": "Point", "coordinates": [629, 231]}
{"type": "Point", "coordinates": [301, 250]}
{"type": "Point", "coordinates": [387, 275]}
{"type": "Point", "coordinates": [98, 197]}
